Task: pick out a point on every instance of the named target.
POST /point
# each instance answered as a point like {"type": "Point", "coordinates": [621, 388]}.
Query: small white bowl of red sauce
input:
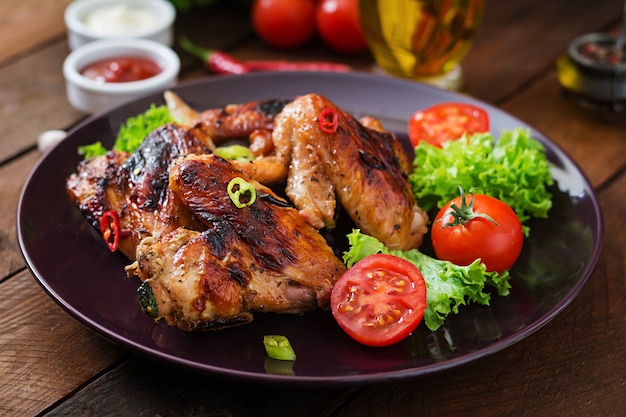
{"type": "Point", "coordinates": [106, 73]}
{"type": "Point", "coordinates": [91, 20]}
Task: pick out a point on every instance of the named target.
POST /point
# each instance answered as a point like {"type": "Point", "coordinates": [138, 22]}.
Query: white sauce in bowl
{"type": "Point", "coordinates": [121, 19]}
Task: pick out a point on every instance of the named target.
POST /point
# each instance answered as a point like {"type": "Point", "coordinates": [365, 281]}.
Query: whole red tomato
{"type": "Point", "coordinates": [284, 23]}
{"type": "Point", "coordinates": [476, 226]}
{"type": "Point", "coordinates": [339, 26]}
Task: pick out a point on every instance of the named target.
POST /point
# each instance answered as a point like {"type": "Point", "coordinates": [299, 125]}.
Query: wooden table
{"type": "Point", "coordinates": [576, 365]}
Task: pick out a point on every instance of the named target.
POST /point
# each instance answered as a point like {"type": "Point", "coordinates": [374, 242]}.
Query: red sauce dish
{"type": "Point", "coordinates": [121, 69]}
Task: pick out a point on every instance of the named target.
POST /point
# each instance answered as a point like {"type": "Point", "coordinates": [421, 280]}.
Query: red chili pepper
{"type": "Point", "coordinates": [220, 62]}
{"type": "Point", "coordinates": [110, 229]}
{"type": "Point", "coordinates": [328, 120]}
{"type": "Point", "coordinates": [216, 61]}
{"type": "Point", "coordinates": [296, 66]}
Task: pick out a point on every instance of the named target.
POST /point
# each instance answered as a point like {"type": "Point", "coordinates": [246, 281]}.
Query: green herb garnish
{"type": "Point", "coordinates": [89, 151]}
{"type": "Point", "coordinates": [132, 133]}
{"type": "Point", "coordinates": [135, 130]}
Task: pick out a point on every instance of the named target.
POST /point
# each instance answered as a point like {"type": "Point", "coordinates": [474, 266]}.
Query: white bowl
{"type": "Point", "coordinates": [80, 33]}
{"type": "Point", "coordinates": [91, 96]}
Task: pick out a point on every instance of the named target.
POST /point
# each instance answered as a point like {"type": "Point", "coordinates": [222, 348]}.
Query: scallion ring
{"type": "Point", "coordinates": [238, 189]}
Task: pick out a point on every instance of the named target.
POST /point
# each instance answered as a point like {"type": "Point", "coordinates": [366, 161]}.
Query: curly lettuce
{"type": "Point", "coordinates": [514, 169]}
{"type": "Point", "coordinates": [448, 286]}
{"type": "Point", "coordinates": [132, 133]}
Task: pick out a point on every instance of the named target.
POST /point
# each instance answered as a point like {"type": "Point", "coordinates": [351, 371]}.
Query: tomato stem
{"type": "Point", "coordinates": [464, 214]}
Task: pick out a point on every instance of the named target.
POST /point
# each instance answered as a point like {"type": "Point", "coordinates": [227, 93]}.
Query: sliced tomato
{"type": "Point", "coordinates": [446, 121]}
{"type": "Point", "coordinates": [380, 300]}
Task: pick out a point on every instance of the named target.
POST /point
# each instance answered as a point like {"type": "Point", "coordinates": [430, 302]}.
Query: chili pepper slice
{"type": "Point", "coordinates": [278, 347]}
{"type": "Point", "coordinates": [237, 188]}
{"type": "Point", "coordinates": [110, 228]}
{"type": "Point", "coordinates": [328, 120]}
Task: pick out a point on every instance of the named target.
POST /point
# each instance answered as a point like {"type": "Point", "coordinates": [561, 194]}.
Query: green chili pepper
{"type": "Point", "coordinates": [235, 152]}
{"type": "Point", "coordinates": [237, 188]}
{"type": "Point", "coordinates": [278, 347]}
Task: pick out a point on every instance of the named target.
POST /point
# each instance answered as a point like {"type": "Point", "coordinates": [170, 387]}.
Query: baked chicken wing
{"type": "Point", "coordinates": [363, 169]}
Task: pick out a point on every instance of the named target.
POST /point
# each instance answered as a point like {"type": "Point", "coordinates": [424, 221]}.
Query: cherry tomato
{"type": "Point", "coordinates": [339, 26]}
{"type": "Point", "coordinates": [380, 300]}
{"type": "Point", "coordinates": [446, 121]}
{"type": "Point", "coordinates": [284, 23]}
{"type": "Point", "coordinates": [476, 226]}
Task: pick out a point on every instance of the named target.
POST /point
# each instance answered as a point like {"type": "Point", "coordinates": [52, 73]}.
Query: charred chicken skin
{"type": "Point", "coordinates": [240, 120]}
{"type": "Point", "coordinates": [252, 259]}
{"type": "Point", "coordinates": [135, 186]}
{"type": "Point", "coordinates": [362, 168]}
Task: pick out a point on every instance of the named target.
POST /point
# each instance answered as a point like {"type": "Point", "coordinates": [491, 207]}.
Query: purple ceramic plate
{"type": "Point", "coordinates": [70, 261]}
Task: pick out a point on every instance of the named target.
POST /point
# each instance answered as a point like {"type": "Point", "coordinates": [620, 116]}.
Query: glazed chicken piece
{"type": "Point", "coordinates": [135, 186]}
{"type": "Point", "coordinates": [240, 120]}
{"type": "Point", "coordinates": [259, 258]}
{"type": "Point", "coordinates": [252, 121]}
{"type": "Point", "coordinates": [229, 122]}
{"type": "Point", "coordinates": [364, 169]}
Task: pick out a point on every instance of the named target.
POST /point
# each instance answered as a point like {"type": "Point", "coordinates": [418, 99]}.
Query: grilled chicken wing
{"type": "Point", "coordinates": [136, 185]}
{"type": "Point", "coordinates": [255, 258]}
{"type": "Point", "coordinates": [240, 120]}
{"type": "Point", "coordinates": [365, 169]}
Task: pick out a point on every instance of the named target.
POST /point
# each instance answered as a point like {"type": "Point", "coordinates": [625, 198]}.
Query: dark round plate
{"type": "Point", "coordinates": [72, 264]}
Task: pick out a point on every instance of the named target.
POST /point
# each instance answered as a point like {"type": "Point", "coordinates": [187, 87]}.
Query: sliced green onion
{"type": "Point", "coordinates": [235, 152]}
{"type": "Point", "coordinates": [238, 188]}
{"type": "Point", "coordinates": [278, 347]}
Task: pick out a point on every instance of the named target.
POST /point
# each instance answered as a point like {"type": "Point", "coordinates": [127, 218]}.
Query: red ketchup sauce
{"type": "Point", "coordinates": [121, 69]}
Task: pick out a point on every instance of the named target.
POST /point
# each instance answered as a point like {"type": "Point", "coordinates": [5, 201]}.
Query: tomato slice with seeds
{"type": "Point", "coordinates": [446, 121]}
{"type": "Point", "coordinates": [380, 300]}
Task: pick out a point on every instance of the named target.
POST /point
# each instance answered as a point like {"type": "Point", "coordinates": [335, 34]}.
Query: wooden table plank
{"type": "Point", "coordinates": [142, 387]}
{"type": "Point", "coordinates": [521, 38]}
{"type": "Point", "coordinates": [12, 177]}
{"type": "Point", "coordinates": [44, 353]}
{"type": "Point", "coordinates": [32, 24]}
{"type": "Point", "coordinates": [32, 99]}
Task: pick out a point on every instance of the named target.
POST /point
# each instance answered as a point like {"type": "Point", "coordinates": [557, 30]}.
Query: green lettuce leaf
{"type": "Point", "coordinates": [94, 149]}
{"type": "Point", "coordinates": [135, 130]}
{"type": "Point", "coordinates": [132, 133]}
{"type": "Point", "coordinates": [514, 169]}
{"type": "Point", "coordinates": [448, 286]}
